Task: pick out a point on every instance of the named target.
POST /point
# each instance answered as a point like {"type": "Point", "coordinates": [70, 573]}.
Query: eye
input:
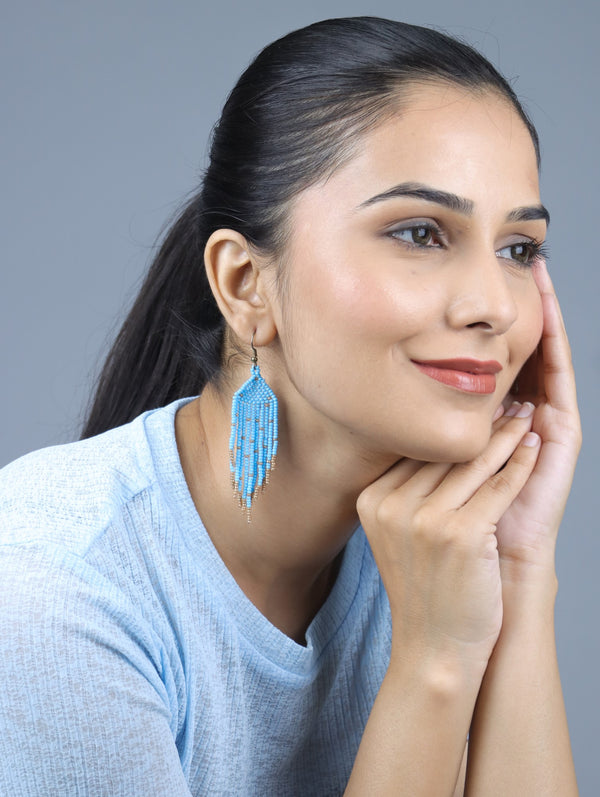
{"type": "Point", "coordinates": [418, 235]}
{"type": "Point", "coordinates": [523, 252]}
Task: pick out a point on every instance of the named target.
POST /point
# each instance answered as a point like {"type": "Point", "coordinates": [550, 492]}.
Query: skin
{"type": "Point", "coordinates": [365, 303]}
{"type": "Point", "coordinates": [465, 547]}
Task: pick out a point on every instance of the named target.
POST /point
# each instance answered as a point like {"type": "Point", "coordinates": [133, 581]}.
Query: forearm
{"type": "Point", "coordinates": [414, 741]}
{"type": "Point", "coordinates": [519, 742]}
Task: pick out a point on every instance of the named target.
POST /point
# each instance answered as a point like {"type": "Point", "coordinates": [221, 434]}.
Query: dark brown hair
{"type": "Point", "coordinates": [291, 118]}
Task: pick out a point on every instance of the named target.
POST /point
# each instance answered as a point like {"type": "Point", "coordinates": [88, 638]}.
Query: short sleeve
{"type": "Point", "coordinates": [86, 706]}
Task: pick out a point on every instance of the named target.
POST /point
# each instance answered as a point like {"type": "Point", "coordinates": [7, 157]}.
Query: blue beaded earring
{"type": "Point", "coordinates": [254, 433]}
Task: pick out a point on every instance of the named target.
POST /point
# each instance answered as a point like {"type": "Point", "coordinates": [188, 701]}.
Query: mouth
{"type": "Point", "coordinates": [465, 374]}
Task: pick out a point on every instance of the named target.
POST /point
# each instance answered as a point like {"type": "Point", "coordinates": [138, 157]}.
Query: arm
{"type": "Point", "coordinates": [83, 707]}
{"type": "Point", "coordinates": [432, 531]}
{"type": "Point", "coordinates": [413, 743]}
{"type": "Point", "coordinates": [519, 743]}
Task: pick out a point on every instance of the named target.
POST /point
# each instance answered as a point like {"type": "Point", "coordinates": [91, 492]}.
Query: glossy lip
{"type": "Point", "coordinates": [465, 364]}
{"type": "Point", "coordinates": [462, 373]}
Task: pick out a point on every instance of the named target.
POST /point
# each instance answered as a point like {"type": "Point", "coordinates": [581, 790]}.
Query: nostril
{"type": "Point", "coordinates": [481, 324]}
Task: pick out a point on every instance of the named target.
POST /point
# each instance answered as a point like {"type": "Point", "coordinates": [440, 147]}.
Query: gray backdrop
{"type": "Point", "coordinates": [107, 108]}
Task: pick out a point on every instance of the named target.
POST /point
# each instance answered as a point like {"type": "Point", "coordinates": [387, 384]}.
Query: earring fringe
{"type": "Point", "coordinates": [254, 438]}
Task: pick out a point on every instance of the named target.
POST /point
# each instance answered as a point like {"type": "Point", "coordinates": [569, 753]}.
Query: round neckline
{"type": "Point", "coordinates": [258, 631]}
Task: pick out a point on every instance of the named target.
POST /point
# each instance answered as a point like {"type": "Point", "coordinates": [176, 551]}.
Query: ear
{"type": "Point", "coordinates": [239, 286]}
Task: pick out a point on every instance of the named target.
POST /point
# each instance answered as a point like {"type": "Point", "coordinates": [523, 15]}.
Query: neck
{"type": "Point", "coordinates": [286, 558]}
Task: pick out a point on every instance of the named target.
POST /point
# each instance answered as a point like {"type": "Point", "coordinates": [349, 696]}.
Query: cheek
{"type": "Point", "coordinates": [342, 328]}
{"type": "Point", "coordinates": [349, 301]}
{"type": "Point", "coordinates": [531, 321]}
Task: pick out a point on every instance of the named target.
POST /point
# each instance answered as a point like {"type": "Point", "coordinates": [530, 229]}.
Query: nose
{"type": "Point", "coordinates": [481, 294]}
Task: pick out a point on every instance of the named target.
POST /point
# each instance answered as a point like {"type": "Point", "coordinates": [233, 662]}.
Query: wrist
{"type": "Point", "coordinates": [522, 577]}
{"type": "Point", "coordinates": [528, 609]}
{"type": "Point", "coordinates": [443, 676]}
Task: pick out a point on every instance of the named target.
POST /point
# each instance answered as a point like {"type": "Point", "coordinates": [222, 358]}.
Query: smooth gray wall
{"type": "Point", "coordinates": [107, 108]}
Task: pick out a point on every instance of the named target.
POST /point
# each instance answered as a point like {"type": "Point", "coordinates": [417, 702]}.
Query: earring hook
{"type": "Point", "coordinates": [254, 352]}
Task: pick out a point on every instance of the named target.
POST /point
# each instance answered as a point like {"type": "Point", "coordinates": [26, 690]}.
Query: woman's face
{"type": "Point", "coordinates": [418, 250]}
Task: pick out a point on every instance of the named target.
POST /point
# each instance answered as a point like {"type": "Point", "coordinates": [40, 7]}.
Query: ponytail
{"type": "Point", "coordinates": [290, 121]}
{"type": "Point", "coordinates": [170, 344]}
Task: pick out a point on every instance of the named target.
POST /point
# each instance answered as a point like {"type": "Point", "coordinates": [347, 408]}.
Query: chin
{"type": "Point", "coordinates": [452, 448]}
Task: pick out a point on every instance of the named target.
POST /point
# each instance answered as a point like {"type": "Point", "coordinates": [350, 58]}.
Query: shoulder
{"type": "Point", "coordinates": [67, 495]}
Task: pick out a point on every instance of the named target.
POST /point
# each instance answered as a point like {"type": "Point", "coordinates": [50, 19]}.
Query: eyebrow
{"type": "Point", "coordinates": [532, 213]}
{"type": "Point", "coordinates": [453, 202]}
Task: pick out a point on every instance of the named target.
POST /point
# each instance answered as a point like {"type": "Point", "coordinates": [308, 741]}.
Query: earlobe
{"type": "Point", "coordinates": [238, 286]}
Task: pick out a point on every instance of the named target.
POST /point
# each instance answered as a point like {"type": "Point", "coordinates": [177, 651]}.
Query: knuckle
{"type": "Point", "coordinates": [431, 529]}
{"type": "Point", "coordinates": [501, 483]}
{"type": "Point", "coordinates": [386, 514]}
{"type": "Point", "coordinates": [481, 465]}
{"type": "Point", "coordinates": [423, 523]}
{"type": "Point", "coordinates": [364, 505]}
{"type": "Point", "coordinates": [450, 531]}
{"type": "Point", "coordinates": [577, 435]}
{"type": "Point", "coordinates": [572, 438]}
{"type": "Point", "coordinates": [461, 468]}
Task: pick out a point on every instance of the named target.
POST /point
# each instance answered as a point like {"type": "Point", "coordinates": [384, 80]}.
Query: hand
{"type": "Point", "coordinates": [432, 527]}
{"type": "Point", "coordinates": [527, 531]}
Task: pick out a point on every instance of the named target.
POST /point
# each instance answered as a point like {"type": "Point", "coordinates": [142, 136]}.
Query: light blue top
{"type": "Point", "coordinates": [132, 664]}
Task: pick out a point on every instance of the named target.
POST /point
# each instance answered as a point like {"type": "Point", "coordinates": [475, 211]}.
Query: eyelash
{"type": "Point", "coordinates": [537, 251]}
{"type": "Point", "coordinates": [535, 248]}
{"type": "Point", "coordinates": [428, 227]}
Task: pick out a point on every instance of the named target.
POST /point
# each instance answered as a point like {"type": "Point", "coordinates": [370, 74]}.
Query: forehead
{"type": "Point", "coordinates": [471, 143]}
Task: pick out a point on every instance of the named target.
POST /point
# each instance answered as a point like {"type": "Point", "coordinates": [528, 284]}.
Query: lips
{"type": "Point", "coordinates": [462, 373]}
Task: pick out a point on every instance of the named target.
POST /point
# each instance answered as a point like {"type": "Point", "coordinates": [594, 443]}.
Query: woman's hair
{"type": "Point", "coordinates": [293, 117]}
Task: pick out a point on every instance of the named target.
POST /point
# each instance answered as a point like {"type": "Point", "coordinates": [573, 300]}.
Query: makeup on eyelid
{"type": "Point", "coordinates": [413, 314]}
{"type": "Point", "coordinates": [433, 237]}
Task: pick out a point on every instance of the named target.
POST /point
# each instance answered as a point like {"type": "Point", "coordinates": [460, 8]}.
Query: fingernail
{"type": "Point", "coordinates": [498, 414]}
{"type": "Point", "coordinates": [512, 410]}
{"type": "Point", "coordinates": [531, 439]}
{"type": "Point", "coordinates": [526, 410]}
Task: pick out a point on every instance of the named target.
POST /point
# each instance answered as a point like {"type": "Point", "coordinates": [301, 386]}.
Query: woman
{"type": "Point", "coordinates": [365, 250]}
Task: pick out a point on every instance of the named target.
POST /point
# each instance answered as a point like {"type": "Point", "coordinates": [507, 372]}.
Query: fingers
{"type": "Point", "coordinates": [446, 486]}
{"type": "Point", "coordinates": [559, 379]}
{"type": "Point", "coordinates": [417, 478]}
{"type": "Point", "coordinates": [545, 286]}
{"type": "Point", "coordinates": [499, 413]}
{"type": "Point", "coordinates": [395, 477]}
{"type": "Point", "coordinates": [463, 481]}
{"type": "Point", "coordinates": [510, 411]}
{"type": "Point", "coordinates": [497, 494]}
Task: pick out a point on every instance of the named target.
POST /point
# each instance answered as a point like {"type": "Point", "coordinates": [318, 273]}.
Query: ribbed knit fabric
{"type": "Point", "coordinates": [132, 664]}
